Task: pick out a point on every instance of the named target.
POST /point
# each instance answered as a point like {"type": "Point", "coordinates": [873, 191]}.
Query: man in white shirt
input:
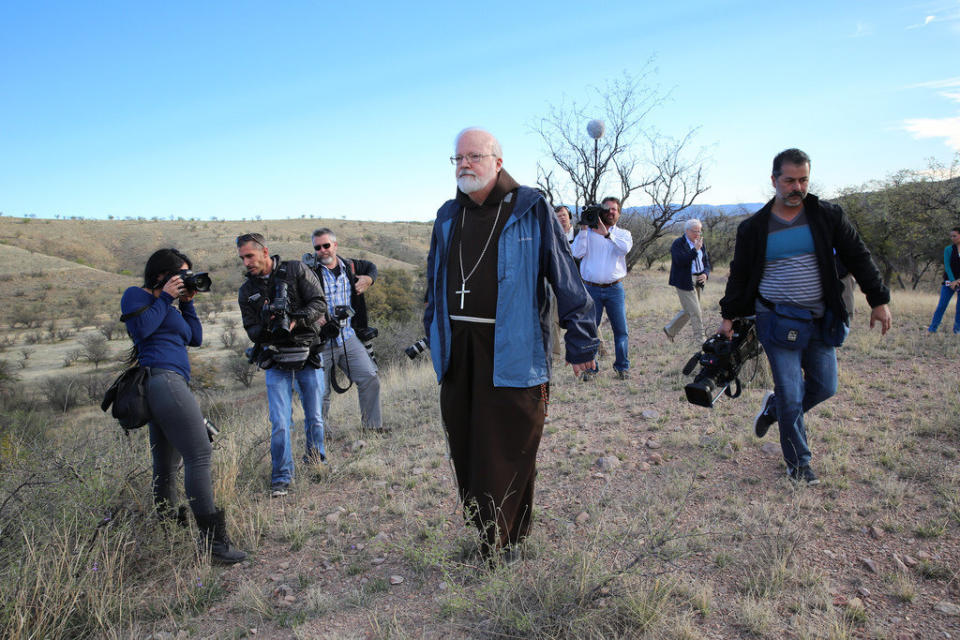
{"type": "Point", "coordinates": [602, 252]}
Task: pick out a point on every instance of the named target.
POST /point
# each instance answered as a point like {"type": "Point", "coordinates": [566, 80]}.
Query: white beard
{"type": "Point", "coordinates": [470, 183]}
{"type": "Point", "coordinates": [329, 260]}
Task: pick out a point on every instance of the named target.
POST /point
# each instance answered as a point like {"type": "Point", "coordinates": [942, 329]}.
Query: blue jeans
{"type": "Point", "coordinates": [802, 379]}
{"type": "Point", "coordinates": [280, 400]}
{"type": "Point", "coordinates": [945, 294]}
{"type": "Point", "coordinates": [612, 299]}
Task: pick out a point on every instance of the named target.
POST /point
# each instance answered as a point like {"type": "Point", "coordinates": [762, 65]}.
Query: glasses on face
{"type": "Point", "coordinates": [251, 237]}
{"type": "Point", "coordinates": [473, 158]}
{"type": "Point", "coordinates": [325, 245]}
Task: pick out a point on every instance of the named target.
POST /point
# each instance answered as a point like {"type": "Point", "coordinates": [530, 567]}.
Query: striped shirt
{"type": "Point", "coordinates": [338, 289]}
{"type": "Point", "coordinates": [790, 273]}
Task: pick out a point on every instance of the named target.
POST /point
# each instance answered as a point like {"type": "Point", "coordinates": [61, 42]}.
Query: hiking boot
{"type": "Point", "coordinates": [667, 333]}
{"type": "Point", "coordinates": [279, 489]}
{"type": "Point", "coordinates": [767, 415]}
{"type": "Point", "coordinates": [213, 539]}
{"type": "Point", "coordinates": [623, 374]}
{"type": "Point", "coordinates": [803, 474]}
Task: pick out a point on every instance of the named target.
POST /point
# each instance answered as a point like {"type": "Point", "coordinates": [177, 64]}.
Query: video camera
{"type": "Point", "coordinates": [591, 216]}
{"type": "Point", "coordinates": [720, 363]}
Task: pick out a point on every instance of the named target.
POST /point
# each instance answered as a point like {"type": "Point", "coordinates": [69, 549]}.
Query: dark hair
{"type": "Point", "coordinates": [957, 229]}
{"type": "Point", "coordinates": [791, 156]}
{"type": "Point", "coordinates": [251, 237]}
{"type": "Point", "coordinates": [611, 199]}
{"type": "Point", "coordinates": [163, 261]}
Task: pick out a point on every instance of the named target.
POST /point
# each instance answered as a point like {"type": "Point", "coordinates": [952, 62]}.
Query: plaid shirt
{"type": "Point", "coordinates": [338, 290]}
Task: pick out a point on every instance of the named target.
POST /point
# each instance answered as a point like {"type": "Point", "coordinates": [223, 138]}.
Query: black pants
{"type": "Point", "coordinates": [177, 431]}
{"type": "Point", "coordinates": [494, 434]}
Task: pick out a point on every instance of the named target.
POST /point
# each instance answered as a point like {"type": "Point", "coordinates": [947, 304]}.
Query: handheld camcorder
{"type": "Point", "coordinates": [591, 216]}
{"type": "Point", "coordinates": [278, 310]}
{"type": "Point", "coordinates": [720, 363]}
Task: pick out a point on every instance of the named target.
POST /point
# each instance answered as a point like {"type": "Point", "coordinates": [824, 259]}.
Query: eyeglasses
{"type": "Point", "coordinates": [472, 157]}
{"type": "Point", "coordinates": [325, 245]}
{"type": "Point", "coordinates": [251, 237]}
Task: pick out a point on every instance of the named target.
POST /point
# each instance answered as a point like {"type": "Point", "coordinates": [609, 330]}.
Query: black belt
{"type": "Point", "coordinates": [602, 286]}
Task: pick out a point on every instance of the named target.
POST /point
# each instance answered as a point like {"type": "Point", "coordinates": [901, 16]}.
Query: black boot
{"type": "Point", "coordinates": [213, 536]}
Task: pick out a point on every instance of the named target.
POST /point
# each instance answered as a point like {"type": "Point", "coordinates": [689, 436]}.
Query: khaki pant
{"type": "Point", "coordinates": [690, 302]}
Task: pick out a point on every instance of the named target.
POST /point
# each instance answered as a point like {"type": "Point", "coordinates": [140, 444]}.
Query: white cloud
{"type": "Point", "coordinates": [946, 83]}
{"type": "Point", "coordinates": [947, 128]}
{"type": "Point", "coordinates": [950, 95]}
{"type": "Point", "coordinates": [863, 29]}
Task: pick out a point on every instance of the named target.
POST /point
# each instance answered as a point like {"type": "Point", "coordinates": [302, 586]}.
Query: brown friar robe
{"type": "Point", "coordinates": [493, 432]}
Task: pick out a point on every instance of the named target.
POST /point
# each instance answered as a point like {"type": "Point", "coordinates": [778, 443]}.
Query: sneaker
{"type": "Point", "coordinates": [589, 375]}
{"type": "Point", "coordinates": [278, 489]}
{"type": "Point", "coordinates": [803, 474]}
{"type": "Point", "coordinates": [767, 415]}
{"type": "Point", "coordinates": [667, 333]}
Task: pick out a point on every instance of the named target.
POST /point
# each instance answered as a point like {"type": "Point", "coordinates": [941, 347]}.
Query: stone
{"type": "Point", "coordinates": [333, 518]}
{"type": "Point", "coordinates": [869, 564]}
{"type": "Point", "coordinates": [643, 466]}
{"type": "Point", "coordinates": [417, 471]}
{"type": "Point", "coordinates": [376, 561]}
{"type": "Point", "coordinates": [254, 631]}
{"type": "Point", "coordinates": [948, 608]}
{"type": "Point", "coordinates": [653, 444]}
{"type": "Point", "coordinates": [876, 532]}
{"type": "Point", "coordinates": [357, 445]}
{"type": "Point", "coordinates": [608, 463]}
{"type": "Point", "coordinates": [923, 555]}
{"type": "Point", "coordinates": [650, 414]}
{"type": "Point", "coordinates": [909, 561]}
{"type": "Point", "coordinates": [771, 449]}
{"type": "Point", "coordinates": [582, 517]}
{"type": "Point", "coordinates": [898, 563]}
{"type": "Point", "coordinates": [395, 579]}
{"type": "Point", "coordinates": [656, 458]}
{"type": "Point", "coordinates": [863, 591]}
{"type": "Point", "coordinates": [282, 591]}
{"type": "Point", "coordinates": [284, 565]}
{"type": "Point", "coordinates": [290, 599]}
{"type": "Point", "coordinates": [855, 603]}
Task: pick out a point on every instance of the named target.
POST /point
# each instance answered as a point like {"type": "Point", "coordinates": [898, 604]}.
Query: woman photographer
{"type": "Point", "coordinates": [161, 332]}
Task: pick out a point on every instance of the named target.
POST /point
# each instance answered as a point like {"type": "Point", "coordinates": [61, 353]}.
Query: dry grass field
{"type": "Point", "coordinates": [654, 518]}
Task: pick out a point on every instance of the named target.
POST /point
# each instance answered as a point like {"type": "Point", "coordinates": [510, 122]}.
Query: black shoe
{"type": "Point", "coordinates": [767, 415]}
{"type": "Point", "coordinates": [803, 474]}
{"type": "Point", "coordinates": [278, 489]}
{"type": "Point", "coordinates": [623, 374]}
{"type": "Point", "coordinates": [213, 539]}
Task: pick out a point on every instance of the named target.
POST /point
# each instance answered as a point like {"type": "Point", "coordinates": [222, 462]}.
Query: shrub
{"type": "Point", "coordinates": [95, 349]}
{"type": "Point", "coordinates": [241, 370]}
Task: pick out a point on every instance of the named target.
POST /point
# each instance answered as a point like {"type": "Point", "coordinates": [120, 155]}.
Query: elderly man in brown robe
{"type": "Point", "coordinates": [495, 248]}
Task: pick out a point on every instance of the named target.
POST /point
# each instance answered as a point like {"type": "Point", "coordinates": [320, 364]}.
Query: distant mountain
{"type": "Point", "coordinates": [706, 210]}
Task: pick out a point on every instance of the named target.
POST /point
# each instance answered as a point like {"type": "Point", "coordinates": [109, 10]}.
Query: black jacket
{"type": "Point", "coordinates": [356, 267]}
{"type": "Point", "coordinates": [831, 230]}
{"type": "Point", "coordinates": [681, 257]}
{"type": "Point", "coordinates": [304, 293]}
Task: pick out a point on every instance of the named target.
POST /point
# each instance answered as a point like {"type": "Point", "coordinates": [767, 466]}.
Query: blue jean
{"type": "Point", "coordinates": [280, 400]}
{"type": "Point", "coordinates": [945, 294]}
{"type": "Point", "coordinates": [612, 299]}
{"type": "Point", "coordinates": [802, 379]}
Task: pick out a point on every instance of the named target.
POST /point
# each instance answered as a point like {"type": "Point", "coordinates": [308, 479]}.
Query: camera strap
{"type": "Point", "coordinates": [333, 369]}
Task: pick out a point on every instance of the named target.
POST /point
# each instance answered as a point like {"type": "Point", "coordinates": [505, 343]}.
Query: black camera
{"type": "Point", "coordinates": [279, 311]}
{"type": "Point", "coordinates": [591, 216]}
{"type": "Point", "coordinates": [697, 283]}
{"type": "Point", "coordinates": [416, 348]}
{"type": "Point", "coordinates": [720, 363]}
{"type": "Point", "coordinates": [199, 281]}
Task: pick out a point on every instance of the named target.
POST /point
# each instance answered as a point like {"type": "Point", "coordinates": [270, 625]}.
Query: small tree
{"type": "Point", "coordinates": [95, 349]}
{"type": "Point", "coordinates": [630, 156]}
{"type": "Point", "coordinates": [242, 370]}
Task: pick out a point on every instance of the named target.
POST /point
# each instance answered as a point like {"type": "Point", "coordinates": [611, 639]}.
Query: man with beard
{"type": "Point", "coordinates": [785, 272]}
{"type": "Point", "coordinates": [344, 282]}
{"type": "Point", "coordinates": [495, 248]}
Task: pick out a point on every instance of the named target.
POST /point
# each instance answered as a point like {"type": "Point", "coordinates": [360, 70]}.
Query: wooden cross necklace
{"type": "Point", "coordinates": [463, 278]}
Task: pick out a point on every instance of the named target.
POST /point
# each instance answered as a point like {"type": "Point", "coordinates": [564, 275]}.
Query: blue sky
{"type": "Point", "coordinates": [234, 110]}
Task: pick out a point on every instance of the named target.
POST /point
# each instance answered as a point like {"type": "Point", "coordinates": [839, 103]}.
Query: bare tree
{"type": "Point", "coordinates": [95, 349]}
{"type": "Point", "coordinates": [630, 157]}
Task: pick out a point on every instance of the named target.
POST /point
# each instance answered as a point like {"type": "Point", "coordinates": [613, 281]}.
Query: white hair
{"type": "Point", "coordinates": [691, 223]}
{"type": "Point", "coordinates": [494, 146]}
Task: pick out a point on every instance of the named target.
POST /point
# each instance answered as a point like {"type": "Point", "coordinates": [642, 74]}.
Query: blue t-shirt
{"type": "Point", "coordinates": [161, 332]}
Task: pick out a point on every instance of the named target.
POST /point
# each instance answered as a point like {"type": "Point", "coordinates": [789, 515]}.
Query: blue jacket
{"type": "Point", "coordinates": [532, 247]}
{"type": "Point", "coordinates": [681, 257]}
{"type": "Point", "coordinates": [161, 333]}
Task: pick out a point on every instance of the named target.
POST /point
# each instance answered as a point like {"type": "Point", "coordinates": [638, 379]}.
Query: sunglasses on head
{"type": "Point", "coordinates": [325, 245]}
{"type": "Point", "coordinates": [250, 237]}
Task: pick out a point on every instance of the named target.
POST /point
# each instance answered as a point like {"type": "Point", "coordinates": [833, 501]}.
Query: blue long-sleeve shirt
{"type": "Point", "coordinates": [162, 333]}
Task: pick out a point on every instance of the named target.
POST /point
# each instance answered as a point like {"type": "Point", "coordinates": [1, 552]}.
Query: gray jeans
{"type": "Point", "coordinates": [363, 372]}
{"type": "Point", "coordinates": [177, 432]}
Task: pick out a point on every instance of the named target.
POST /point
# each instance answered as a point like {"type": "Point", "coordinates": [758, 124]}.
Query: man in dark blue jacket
{"type": "Point", "coordinates": [784, 272]}
{"type": "Point", "coordinates": [494, 249]}
{"type": "Point", "coordinates": [689, 270]}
